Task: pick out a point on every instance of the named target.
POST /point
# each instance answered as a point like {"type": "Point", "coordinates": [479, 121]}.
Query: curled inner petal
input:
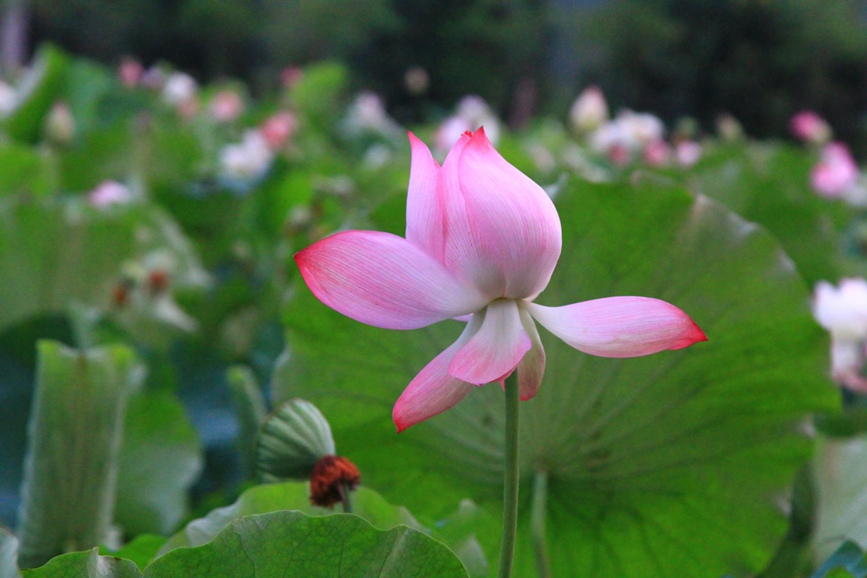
{"type": "Point", "coordinates": [496, 349]}
{"type": "Point", "coordinates": [504, 232]}
{"type": "Point", "coordinates": [383, 280]}
{"type": "Point", "coordinates": [425, 227]}
{"type": "Point", "coordinates": [620, 326]}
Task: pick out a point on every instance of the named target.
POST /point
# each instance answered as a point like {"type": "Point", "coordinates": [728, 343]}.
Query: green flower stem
{"type": "Point", "coordinates": [346, 497]}
{"type": "Point", "coordinates": [510, 473]}
{"type": "Point", "coordinates": [539, 511]}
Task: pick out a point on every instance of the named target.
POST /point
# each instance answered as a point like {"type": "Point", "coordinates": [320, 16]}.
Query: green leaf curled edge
{"type": "Point", "coordinates": [290, 543]}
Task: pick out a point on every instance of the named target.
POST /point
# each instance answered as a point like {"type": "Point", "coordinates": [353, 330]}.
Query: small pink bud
{"type": "Point", "coordinates": [810, 127]}
{"type": "Point", "coordinates": [657, 153]}
{"type": "Point", "coordinates": [589, 111]}
{"type": "Point", "coordinates": [60, 125]}
{"type": "Point", "coordinates": [687, 152]}
{"type": "Point", "coordinates": [836, 171]}
{"type": "Point", "coordinates": [226, 106]}
{"type": "Point", "coordinates": [290, 76]}
{"type": "Point", "coordinates": [130, 72]}
{"type": "Point", "coordinates": [279, 128]}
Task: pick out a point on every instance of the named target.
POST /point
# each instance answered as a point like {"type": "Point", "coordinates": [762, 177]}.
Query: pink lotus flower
{"type": "Point", "coordinates": [836, 172]}
{"type": "Point", "coordinates": [482, 241]}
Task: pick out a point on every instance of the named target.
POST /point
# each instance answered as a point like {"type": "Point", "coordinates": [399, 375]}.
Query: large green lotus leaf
{"type": "Point", "coordinates": [287, 496]}
{"type": "Point", "coordinates": [770, 184]}
{"type": "Point", "coordinates": [54, 253]}
{"type": "Point", "coordinates": [141, 550]}
{"type": "Point", "coordinates": [74, 437]}
{"type": "Point", "coordinates": [676, 464]}
{"type": "Point", "coordinates": [291, 544]}
{"type": "Point", "coordinates": [160, 460]}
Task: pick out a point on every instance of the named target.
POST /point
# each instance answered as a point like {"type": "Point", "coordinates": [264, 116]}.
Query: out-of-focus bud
{"type": "Point", "coordinates": [471, 113]}
{"type": "Point", "coordinates": [367, 115]}
{"type": "Point", "coordinates": [130, 72]}
{"type": "Point", "coordinates": [657, 153]}
{"type": "Point", "coordinates": [279, 128]}
{"type": "Point", "coordinates": [248, 159]}
{"type": "Point", "coordinates": [226, 106]}
{"type": "Point", "coordinates": [842, 311]}
{"type": "Point", "coordinates": [109, 193]}
{"type": "Point", "coordinates": [59, 124]}
{"type": "Point", "coordinates": [416, 80]}
{"type": "Point", "coordinates": [589, 111]}
{"type": "Point", "coordinates": [449, 132]}
{"type": "Point", "coordinates": [180, 90]}
{"type": "Point", "coordinates": [728, 128]}
{"type": "Point", "coordinates": [687, 152]}
{"type": "Point", "coordinates": [154, 78]}
{"type": "Point", "coordinates": [836, 171]}
{"type": "Point", "coordinates": [290, 76]}
{"type": "Point", "coordinates": [810, 127]}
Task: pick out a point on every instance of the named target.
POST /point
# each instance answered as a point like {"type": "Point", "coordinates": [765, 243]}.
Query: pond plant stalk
{"type": "Point", "coordinates": [511, 477]}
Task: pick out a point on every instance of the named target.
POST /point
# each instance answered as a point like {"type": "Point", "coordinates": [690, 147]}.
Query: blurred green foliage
{"type": "Point", "coordinates": [761, 60]}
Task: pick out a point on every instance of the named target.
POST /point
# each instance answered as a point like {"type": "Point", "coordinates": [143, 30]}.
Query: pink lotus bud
{"type": "Point", "coordinates": [589, 111]}
{"type": "Point", "coordinates": [810, 127]}
{"type": "Point", "coordinates": [842, 311]}
{"type": "Point", "coordinates": [179, 89]}
{"type": "Point", "coordinates": [130, 72]}
{"type": "Point", "coordinates": [59, 125]}
{"type": "Point", "coordinates": [109, 193]}
{"type": "Point", "coordinates": [657, 153]}
{"type": "Point", "coordinates": [687, 152]}
{"type": "Point", "coordinates": [290, 76]}
{"type": "Point", "coordinates": [836, 172]}
{"type": "Point", "coordinates": [279, 128]}
{"type": "Point", "coordinates": [619, 155]}
{"type": "Point", "coordinates": [226, 106]}
{"type": "Point", "coordinates": [248, 159]}
{"type": "Point", "coordinates": [449, 131]}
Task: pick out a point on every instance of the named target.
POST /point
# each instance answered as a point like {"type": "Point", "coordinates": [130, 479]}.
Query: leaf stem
{"type": "Point", "coordinates": [511, 480]}
{"type": "Point", "coordinates": [538, 514]}
{"type": "Point", "coordinates": [346, 497]}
